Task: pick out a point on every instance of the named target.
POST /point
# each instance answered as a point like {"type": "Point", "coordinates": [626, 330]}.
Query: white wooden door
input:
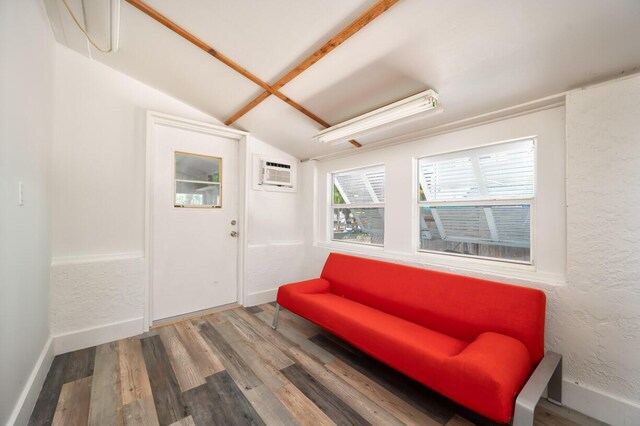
{"type": "Point", "coordinates": [194, 219]}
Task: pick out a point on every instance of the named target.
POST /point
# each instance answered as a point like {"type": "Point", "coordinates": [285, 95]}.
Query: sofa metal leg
{"type": "Point", "coordinates": [548, 375]}
{"type": "Point", "coordinates": [274, 325]}
{"type": "Point", "coordinates": [554, 390]}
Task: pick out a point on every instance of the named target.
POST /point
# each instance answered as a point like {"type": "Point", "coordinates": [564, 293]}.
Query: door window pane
{"type": "Point", "coordinates": [197, 180]}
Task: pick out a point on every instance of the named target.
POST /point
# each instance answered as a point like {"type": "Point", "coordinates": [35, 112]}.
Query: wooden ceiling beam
{"type": "Point", "coordinates": [152, 13]}
{"type": "Point", "coordinates": [222, 58]}
{"type": "Point", "coordinates": [269, 90]}
{"type": "Point", "coordinates": [359, 23]}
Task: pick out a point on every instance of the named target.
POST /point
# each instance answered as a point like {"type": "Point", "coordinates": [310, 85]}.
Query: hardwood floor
{"type": "Point", "coordinates": [231, 368]}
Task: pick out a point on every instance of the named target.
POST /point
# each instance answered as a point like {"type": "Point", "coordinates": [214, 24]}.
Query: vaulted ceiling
{"type": "Point", "coordinates": [479, 56]}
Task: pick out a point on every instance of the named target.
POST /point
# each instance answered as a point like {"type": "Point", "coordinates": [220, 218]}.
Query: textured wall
{"type": "Point", "coordinates": [271, 265]}
{"type": "Point", "coordinates": [602, 308]}
{"type": "Point", "coordinates": [92, 293]}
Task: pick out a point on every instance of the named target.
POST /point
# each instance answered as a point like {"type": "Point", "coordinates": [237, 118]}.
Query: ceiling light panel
{"type": "Point", "coordinates": [389, 115]}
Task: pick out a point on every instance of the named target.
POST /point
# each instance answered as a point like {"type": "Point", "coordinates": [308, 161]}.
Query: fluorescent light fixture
{"type": "Point", "coordinates": [115, 25]}
{"type": "Point", "coordinates": [407, 108]}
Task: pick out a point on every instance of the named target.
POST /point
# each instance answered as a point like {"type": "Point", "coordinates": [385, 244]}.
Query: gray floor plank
{"type": "Point", "coordinates": [254, 309]}
{"type": "Point", "coordinates": [266, 349]}
{"type": "Point", "coordinates": [266, 373]}
{"type": "Point", "coordinates": [220, 402]}
{"type": "Point", "coordinates": [297, 338]}
{"type": "Point", "coordinates": [237, 367]}
{"type": "Point", "coordinates": [170, 406]}
{"type": "Point", "coordinates": [45, 407]}
{"type": "Point", "coordinates": [336, 409]}
{"type": "Point", "coordinates": [421, 397]}
{"type": "Point", "coordinates": [270, 408]}
{"type": "Point", "coordinates": [106, 398]}
{"type": "Point", "coordinates": [79, 364]}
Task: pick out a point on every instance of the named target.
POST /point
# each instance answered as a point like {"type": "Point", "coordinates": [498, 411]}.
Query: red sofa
{"type": "Point", "coordinates": [474, 341]}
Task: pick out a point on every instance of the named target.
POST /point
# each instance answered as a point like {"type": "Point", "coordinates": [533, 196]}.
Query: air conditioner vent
{"type": "Point", "coordinates": [277, 174]}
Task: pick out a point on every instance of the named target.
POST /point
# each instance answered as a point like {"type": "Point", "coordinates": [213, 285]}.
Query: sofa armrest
{"type": "Point", "coordinates": [288, 293]}
{"type": "Point", "coordinates": [496, 367]}
{"type": "Point", "coordinates": [316, 285]}
{"type": "Point", "coordinates": [547, 374]}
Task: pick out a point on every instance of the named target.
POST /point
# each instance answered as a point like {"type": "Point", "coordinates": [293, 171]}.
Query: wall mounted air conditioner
{"type": "Point", "coordinates": [276, 173]}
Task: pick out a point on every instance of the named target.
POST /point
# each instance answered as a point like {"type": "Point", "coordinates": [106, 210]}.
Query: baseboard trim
{"type": "Point", "coordinates": [29, 395]}
{"type": "Point", "coordinates": [600, 405]}
{"type": "Point", "coordinates": [93, 336]}
{"type": "Point", "coordinates": [261, 297]}
{"type": "Point", "coordinates": [192, 315]}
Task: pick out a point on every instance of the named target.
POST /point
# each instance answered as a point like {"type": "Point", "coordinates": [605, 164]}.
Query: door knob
{"type": "Point", "coordinates": [234, 233]}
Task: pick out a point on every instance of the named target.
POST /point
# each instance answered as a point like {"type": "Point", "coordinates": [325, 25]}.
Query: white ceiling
{"type": "Point", "coordinates": [479, 56]}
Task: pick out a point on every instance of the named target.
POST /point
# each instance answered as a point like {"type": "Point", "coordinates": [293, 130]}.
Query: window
{"type": "Point", "coordinates": [197, 181]}
{"type": "Point", "coordinates": [357, 206]}
{"type": "Point", "coordinates": [478, 202]}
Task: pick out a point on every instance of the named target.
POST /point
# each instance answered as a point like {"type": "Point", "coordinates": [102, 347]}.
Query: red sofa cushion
{"type": "Point", "coordinates": [484, 375]}
{"type": "Point", "coordinates": [458, 306]}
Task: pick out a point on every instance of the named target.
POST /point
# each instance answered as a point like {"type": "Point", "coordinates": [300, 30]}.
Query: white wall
{"type": "Point", "coordinates": [26, 126]}
{"type": "Point", "coordinates": [99, 156]}
{"type": "Point", "coordinates": [400, 196]}
{"type": "Point", "coordinates": [600, 315]}
{"type": "Point", "coordinates": [276, 248]}
{"type": "Point", "coordinates": [98, 219]}
{"type": "Point", "coordinates": [98, 185]}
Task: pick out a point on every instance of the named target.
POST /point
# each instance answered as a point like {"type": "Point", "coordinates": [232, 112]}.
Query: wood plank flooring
{"type": "Point", "coordinates": [231, 368]}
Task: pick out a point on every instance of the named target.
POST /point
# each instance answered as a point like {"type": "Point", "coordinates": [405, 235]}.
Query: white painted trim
{"type": "Point", "coordinates": [485, 269]}
{"type": "Point", "coordinates": [244, 183]}
{"type": "Point", "coordinates": [261, 297]}
{"type": "Point", "coordinates": [77, 260]}
{"type": "Point", "coordinates": [155, 118]}
{"type": "Point", "coordinates": [93, 336]}
{"type": "Point", "coordinates": [600, 405]}
{"type": "Point", "coordinates": [283, 243]}
{"type": "Point", "coordinates": [29, 395]}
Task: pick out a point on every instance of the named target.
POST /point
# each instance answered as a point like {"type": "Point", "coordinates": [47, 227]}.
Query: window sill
{"type": "Point", "coordinates": [511, 273]}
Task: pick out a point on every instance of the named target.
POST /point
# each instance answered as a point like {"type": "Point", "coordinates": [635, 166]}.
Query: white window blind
{"type": "Point", "coordinates": [362, 186]}
{"type": "Point", "coordinates": [478, 202]}
{"type": "Point", "coordinates": [358, 205]}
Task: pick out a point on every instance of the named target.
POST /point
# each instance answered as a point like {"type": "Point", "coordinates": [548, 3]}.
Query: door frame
{"type": "Point", "coordinates": [158, 118]}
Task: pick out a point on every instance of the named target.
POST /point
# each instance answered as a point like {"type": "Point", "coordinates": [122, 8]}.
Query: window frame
{"type": "Point", "coordinates": [176, 180]}
{"type": "Point", "coordinates": [332, 206]}
{"type": "Point", "coordinates": [484, 202]}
